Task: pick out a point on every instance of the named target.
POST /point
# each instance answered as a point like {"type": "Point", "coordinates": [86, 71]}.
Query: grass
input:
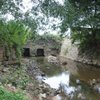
{"type": "Point", "coordinates": [7, 95]}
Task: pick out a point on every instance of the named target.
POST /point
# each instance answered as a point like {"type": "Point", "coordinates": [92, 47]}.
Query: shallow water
{"type": "Point", "coordinates": [72, 79]}
{"type": "Point", "coordinates": [56, 81]}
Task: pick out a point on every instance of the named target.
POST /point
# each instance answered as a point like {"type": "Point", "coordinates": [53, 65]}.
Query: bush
{"type": "Point", "coordinates": [88, 39]}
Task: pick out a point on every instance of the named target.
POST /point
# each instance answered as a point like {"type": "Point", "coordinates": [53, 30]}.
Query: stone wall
{"type": "Point", "coordinates": [71, 51]}
{"type": "Point", "coordinates": [50, 47]}
{"type": "Point", "coordinates": [1, 54]}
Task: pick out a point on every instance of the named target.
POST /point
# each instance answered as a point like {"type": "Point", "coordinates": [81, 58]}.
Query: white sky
{"type": "Point", "coordinates": [28, 6]}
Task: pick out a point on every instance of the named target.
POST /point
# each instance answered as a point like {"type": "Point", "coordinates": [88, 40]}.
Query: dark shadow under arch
{"type": "Point", "coordinates": [40, 52]}
{"type": "Point", "coordinates": [26, 52]}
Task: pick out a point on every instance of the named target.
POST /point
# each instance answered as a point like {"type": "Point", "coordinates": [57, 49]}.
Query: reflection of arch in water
{"type": "Point", "coordinates": [40, 52]}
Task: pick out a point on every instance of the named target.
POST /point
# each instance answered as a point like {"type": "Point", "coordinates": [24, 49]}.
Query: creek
{"type": "Point", "coordinates": [73, 79]}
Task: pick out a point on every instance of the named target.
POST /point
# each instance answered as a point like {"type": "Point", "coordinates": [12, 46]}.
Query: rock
{"type": "Point", "coordinates": [81, 96]}
{"type": "Point", "coordinates": [30, 86]}
{"type": "Point", "coordinates": [29, 96]}
{"type": "Point", "coordinates": [92, 82]}
{"type": "Point", "coordinates": [57, 97]}
{"type": "Point", "coordinates": [5, 70]}
{"type": "Point", "coordinates": [97, 88]}
{"type": "Point", "coordinates": [42, 74]}
{"type": "Point", "coordinates": [79, 87]}
{"type": "Point", "coordinates": [52, 59]}
{"type": "Point", "coordinates": [98, 80]}
{"type": "Point", "coordinates": [64, 63]}
{"type": "Point", "coordinates": [56, 93]}
{"type": "Point", "coordinates": [11, 88]}
{"type": "Point", "coordinates": [42, 96]}
{"type": "Point", "coordinates": [77, 81]}
{"type": "Point", "coordinates": [94, 62]}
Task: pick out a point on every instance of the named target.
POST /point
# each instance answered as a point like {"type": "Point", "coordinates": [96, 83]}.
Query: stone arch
{"type": "Point", "coordinates": [26, 52]}
{"type": "Point", "coordinates": [40, 52]}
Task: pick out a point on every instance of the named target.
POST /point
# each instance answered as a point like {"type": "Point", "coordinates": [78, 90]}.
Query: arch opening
{"type": "Point", "coordinates": [26, 52]}
{"type": "Point", "coordinates": [40, 52]}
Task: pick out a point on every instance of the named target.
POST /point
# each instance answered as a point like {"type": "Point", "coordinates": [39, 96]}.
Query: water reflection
{"type": "Point", "coordinates": [72, 79]}
{"type": "Point", "coordinates": [61, 82]}
{"type": "Point", "coordinates": [56, 81]}
{"type": "Point", "coordinates": [48, 68]}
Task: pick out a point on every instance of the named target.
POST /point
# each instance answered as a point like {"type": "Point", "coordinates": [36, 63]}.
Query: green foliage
{"type": "Point", "coordinates": [16, 76]}
{"type": "Point", "coordinates": [11, 7]}
{"type": "Point", "coordinates": [77, 15]}
{"type": "Point", "coordinates": [31, 23]}
{"type": "Point", "coordinates": [13, 35]}
{"type": "Point", "coordinates": [48, 37]}
{"type": "Point", "coordinates": [14, 9]}
{"type": "Point", "coordinates": [87, 38]}
{"type": "Point", "coordinates": [6, 95]}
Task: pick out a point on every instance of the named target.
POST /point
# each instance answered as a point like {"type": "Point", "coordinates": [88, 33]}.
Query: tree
{"type": "Point", "coordinates": [74, 13]}
{"type": "Point", "coordinates": [30, 22]}
{"type": "Point", "coordinates": [81, 16]}
{"type": "Point", "coordinates": [13, 36]}
{"type": "Point", "coordinates": [11, 7]}
{"type": "Point", "coordinates": [86, 26]}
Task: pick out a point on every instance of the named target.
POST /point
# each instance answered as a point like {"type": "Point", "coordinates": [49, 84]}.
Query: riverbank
{"type": "Point", "coordinates": [33, 76]}
{"type": "Point", "coordinates": [71, 51]}
{"type": "Point", "coordinates": [27, 78]}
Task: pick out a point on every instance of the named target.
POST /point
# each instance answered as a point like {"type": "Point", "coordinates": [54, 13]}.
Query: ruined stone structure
{"type": "Point", "coordinates": [1, 53]}
{"type": "Point", "coordinates": [71, 51]}
{"type": "Point", "coordinates": [41, 47]}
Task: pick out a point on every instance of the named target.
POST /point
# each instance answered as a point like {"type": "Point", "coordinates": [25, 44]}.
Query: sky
{"type": "Point", "coordinates": [28, 4]}
{"type": "Point", "coordinates": [47, 28]}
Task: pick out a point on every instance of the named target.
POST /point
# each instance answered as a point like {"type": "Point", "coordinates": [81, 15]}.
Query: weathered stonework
{"type": "Point", "coordinates": [48, 47]}
{"type": "Point", "coordinates": [71, 51]}
{"type": "Point", "coordinates": [1, 53]}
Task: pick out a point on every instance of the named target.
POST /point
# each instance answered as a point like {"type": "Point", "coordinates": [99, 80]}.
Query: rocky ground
{"type": "Point", "coordinates": [72, 51]}
{"type": "Point", "coordinates": [27, 78]}
{"type": "Point", "coordinates": [42, 89]}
